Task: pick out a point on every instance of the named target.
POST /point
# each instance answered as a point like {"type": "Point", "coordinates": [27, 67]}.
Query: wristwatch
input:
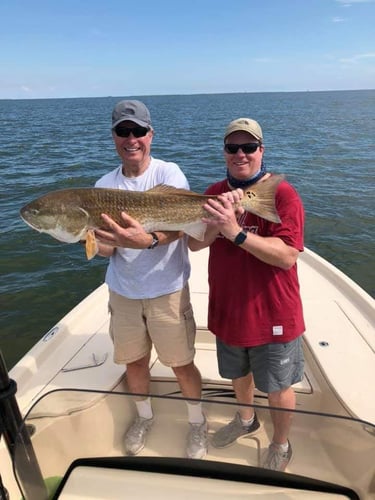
{"type": "Point", "coordinates": [155, 241]}
{"type": "Point", "coordinates": [240, 238]}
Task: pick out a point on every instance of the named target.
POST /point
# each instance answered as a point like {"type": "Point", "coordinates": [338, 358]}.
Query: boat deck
{"type": "Point", "coordinates": [339, 346]}
{"type": "Point", "coordinates": [91, 424]}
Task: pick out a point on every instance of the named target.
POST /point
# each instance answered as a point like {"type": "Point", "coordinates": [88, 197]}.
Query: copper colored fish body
{"type": "Point", "coordinates": [70, 214]}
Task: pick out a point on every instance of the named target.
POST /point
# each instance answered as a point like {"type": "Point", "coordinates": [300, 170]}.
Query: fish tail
{"type": "Point", "coordinates": [260, 198]}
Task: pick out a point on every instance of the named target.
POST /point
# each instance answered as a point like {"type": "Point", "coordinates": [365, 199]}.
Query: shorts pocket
{"type": "Point", "coordinates": [190, 327]}
{"type": "Point", "coordinates": [110, 312]}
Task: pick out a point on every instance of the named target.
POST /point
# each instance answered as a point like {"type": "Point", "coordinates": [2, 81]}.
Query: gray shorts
{"type": "Point", "coordinates": [274, 366]}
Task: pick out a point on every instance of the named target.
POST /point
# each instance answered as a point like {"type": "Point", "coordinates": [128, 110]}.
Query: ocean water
{"type": "Point", "coordinates": [322, 141]}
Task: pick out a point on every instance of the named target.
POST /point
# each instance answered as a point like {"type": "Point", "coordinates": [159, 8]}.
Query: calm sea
{"type": "Point", "coordinates": [322, 141]}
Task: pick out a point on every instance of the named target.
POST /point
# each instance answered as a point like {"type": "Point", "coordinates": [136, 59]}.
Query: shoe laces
{"type": "Point", "coordinates": [139, 427]}
{"type": "Point", "coordinates": [277, 456]}
{"type": "Point", "coordinates": [198, 432]}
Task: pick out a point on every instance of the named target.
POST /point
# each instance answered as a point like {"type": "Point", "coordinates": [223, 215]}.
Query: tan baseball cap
{"type": "Point", "coordinates": [245, 125]}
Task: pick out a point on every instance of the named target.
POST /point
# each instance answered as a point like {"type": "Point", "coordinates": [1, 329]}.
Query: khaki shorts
{"type": "Point", "coordinates": [167, 322]}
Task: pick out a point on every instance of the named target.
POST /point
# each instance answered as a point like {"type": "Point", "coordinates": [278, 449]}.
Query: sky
{"type": "Point", "coordinates": [94, 48]}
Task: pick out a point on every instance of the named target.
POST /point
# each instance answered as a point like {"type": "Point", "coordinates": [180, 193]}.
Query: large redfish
{"type": "Point", "coordinates": [71, 215]}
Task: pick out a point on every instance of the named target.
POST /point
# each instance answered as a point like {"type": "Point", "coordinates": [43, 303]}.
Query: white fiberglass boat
{"type": "Point", "coordinates": [75, 406]}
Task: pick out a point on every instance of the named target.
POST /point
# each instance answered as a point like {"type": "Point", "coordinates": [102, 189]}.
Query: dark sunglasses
{"type": "Point", "coordinates": [248, 148]}
{"type": "Point", "coordinates": [126, 131]}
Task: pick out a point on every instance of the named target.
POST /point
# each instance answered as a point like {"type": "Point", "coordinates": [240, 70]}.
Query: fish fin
{"type": "Point", "coordinates": [259, 199]}
{"type": "Point", "coordinates": [165, 189]}
{"type": "Point", "coordinates": [196, 230]}
{"type": "Point", "coordinates": [91, 245]}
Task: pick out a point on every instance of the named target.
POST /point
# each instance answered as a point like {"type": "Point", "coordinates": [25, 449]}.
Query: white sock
{"type": "Point", "coordinates": [247, 423]}
{"type": "Point", "coordinates": [195, 413]}
{"type": "Point", "coordinates": [144, 408]}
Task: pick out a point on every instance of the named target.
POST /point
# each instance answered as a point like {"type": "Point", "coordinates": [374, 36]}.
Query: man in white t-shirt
{"type": "Point", "coordinates": [147, 277]}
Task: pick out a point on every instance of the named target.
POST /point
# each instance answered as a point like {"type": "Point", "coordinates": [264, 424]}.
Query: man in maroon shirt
{"type": "Point", "coordinates": [255, 308]}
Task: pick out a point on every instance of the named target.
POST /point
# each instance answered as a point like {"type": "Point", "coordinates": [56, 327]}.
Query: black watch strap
{"type": "Point", "coordinates": [155, 241]}
{"type": "Point", "coordinates": [240, 238]}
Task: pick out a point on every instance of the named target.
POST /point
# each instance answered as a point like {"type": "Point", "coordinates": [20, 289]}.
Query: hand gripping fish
{"type": "Point", "coordinates": [71, 215]}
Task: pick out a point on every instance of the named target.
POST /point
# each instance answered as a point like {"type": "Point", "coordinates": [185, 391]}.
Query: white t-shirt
{"type": "Point", "coordinates": [146, 274]}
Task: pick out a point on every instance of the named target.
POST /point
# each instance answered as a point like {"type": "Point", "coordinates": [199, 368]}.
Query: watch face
{"type": "Point", "coordinates": [240, 238]}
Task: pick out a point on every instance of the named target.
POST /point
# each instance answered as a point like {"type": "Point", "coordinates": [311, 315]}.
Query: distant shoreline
{"type": "Point", "coordinates": [188, 94]}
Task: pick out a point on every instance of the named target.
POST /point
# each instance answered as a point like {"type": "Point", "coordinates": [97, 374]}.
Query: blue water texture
{"type": "Point", "coordinates": [322, 141]}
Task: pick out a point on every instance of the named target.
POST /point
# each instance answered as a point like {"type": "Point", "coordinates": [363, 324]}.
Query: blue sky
{"type": "Point", "coordinates": [88, 48]}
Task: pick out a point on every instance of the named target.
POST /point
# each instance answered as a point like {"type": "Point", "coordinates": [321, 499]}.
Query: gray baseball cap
{"type": "Point", "coordinates": [134, 111]}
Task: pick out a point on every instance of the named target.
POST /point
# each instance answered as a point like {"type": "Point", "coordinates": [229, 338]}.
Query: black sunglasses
{"type": "Point", "coordinates": [248, 148]}
{"type": "Point", "coordinates": [126, 131]}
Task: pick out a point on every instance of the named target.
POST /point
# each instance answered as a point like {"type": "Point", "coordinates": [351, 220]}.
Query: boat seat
{"type": "Point", "coordinates": [343, 355]}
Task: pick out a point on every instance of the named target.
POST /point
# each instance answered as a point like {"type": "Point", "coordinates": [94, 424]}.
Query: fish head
{"type": "Point", "coordinates": [57, 215]}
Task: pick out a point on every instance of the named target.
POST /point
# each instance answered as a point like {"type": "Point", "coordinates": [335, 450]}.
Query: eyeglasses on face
{"type": "Point", "coordinates": [137, 132]}
{"type": "Point", "coordinates": [247, 148]}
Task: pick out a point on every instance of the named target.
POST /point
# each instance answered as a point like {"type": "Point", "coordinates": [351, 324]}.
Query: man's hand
{"type": "Point", "coordinates": [132, 235]}
{"type": "Point", "coordinates": [224, 213]}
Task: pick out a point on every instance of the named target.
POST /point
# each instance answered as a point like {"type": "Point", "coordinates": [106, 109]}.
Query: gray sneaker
{"type": "Point", "coordinates": [197, 440]}
{"type": "Point", "coordinates": [135, 437]}
{"type": "Point", "coordinates": [275, 458]}
{"type": "Point", "coordinates": [229, 433]}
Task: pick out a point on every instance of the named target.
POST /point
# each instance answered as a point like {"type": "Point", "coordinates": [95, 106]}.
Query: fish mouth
{"type": "Point", "coordinates": [28, 215]}
{"type": "Point", "coordinates": [30, 221]}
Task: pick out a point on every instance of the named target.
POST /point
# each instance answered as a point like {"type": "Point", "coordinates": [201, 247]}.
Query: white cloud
{"type": "Point", "coordinates": [349, 3]}
{"type": "Point", "coordinates": [358, 57]}
{"type": "Point", "coordinates": [338, 20]}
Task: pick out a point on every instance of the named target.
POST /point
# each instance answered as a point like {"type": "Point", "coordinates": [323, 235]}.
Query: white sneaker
{"type": "Point", "coordinates": [197, 440]}
{"type": "Point", "coordinates": [135, 437]}
{"type": "Point", "coordinates": [275, 458]}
